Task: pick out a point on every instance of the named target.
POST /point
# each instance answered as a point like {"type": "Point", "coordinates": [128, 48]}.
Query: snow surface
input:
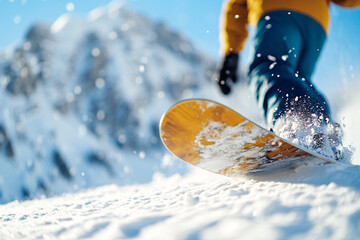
{"type": "Point", "coordinates": [310, 203]}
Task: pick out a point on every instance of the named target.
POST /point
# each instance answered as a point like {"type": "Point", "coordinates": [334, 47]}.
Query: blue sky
{"type": "Point", "coordinates": [198, 20]}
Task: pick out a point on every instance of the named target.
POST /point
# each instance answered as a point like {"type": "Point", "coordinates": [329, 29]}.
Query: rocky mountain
{"type": "Point", "coordinates": [81, 100]}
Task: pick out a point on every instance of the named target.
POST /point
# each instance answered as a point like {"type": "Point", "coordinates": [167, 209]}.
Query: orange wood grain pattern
{"type": "Point", "coordinates": [260, 142]}
{"type": "Point", "coordinates": [239, 168]}
{"type": "Point", "coordinates": [183, 122]}
{"type": "Point", "coordinates": [180, 127]}
{"type": "Point", "coordinates": [285, 150]}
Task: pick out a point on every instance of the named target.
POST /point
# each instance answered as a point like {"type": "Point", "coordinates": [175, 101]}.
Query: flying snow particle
{"type": "Point", "coordinates": [82, 130]}
{"type": "Point", "coordinates": [100, 115]}
{"type": "Point", "coordinates": [267, 18]}
{"type": "Point", "coordinates": [237, 16]}
{"type": "Point", "coordinates": [17, 19]}
{"type": "Point", "coordinates": [141, 68]}
{"type": "Point", "coordinates": [284, 57]}
{"type": "Point", "coordinates": [122, 138]}
{"type": "Point", "coordinates": [167, 161]}
{"type": "Point", "coordinates": [27, 46]}
{"type": "Point", "coordinates": [142, 155]}
{"type": "Point", "coordinates": [70, 7]}
{"type": "Point", "coordinates": [99, 82]}
{"type": "Point", "coordinates": [272, 58]}
{"type": "Point", "coordinates": [272, 65]}
{"type": "Point", "coordinates": [160, 94]}
{"type": "Point", "coordinates": [77, 90]}
{"type": "Point", "coordinates": [95, 52]}
{"type": "Point", "coordinates": [268, 26]}
{"type": "Point", "coordinates": [5, 81]}
{"type": "Point", "coordinates": [70, 97]}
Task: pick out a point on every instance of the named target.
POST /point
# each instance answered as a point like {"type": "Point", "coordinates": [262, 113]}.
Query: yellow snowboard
{"type": "Point", "coordinates": [214, 137]}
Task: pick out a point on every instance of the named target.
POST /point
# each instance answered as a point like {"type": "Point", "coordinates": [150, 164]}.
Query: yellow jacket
{"type": "Point", "coordinates": [238, 13]}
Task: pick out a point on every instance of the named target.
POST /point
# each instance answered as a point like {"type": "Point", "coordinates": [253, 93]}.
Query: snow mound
{"type": "Point", "coordinates": [312, 203]}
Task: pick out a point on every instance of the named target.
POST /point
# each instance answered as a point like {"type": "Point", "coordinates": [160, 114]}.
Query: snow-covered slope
{"type": "Point", "coordinates": [81, 99]}
{"type": "Point", "coordinates": [311, 203]}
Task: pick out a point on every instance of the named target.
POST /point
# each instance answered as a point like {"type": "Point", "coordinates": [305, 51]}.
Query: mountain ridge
{"type": "Point", "coordinates": [82, 97]}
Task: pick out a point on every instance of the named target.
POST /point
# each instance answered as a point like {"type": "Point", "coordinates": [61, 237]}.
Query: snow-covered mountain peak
{"type": "Point", "coordinates": [82, 97]}
{"type": "Point", "coordinates": [112, 10]}
{"type": "Point", "coordinates": [60, 23]}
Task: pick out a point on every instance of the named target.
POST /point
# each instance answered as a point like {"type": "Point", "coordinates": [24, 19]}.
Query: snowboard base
{"type": "Point", "coordinates": [213, 137]}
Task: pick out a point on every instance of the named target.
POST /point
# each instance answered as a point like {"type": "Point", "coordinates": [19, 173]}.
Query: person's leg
{"type": "Point", "coordinates": [287, 46]}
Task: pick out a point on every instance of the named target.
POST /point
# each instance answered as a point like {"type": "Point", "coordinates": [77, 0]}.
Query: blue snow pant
{"type": "Point", "coordinates": [287, 47]}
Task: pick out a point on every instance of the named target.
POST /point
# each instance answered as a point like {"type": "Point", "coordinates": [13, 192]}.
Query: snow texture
{"type": "Point", "coordinates": [227, 151]}
{"type": "Point", "coordinates": [80, 103]}
{"type": "Point", "coordinates": [310, 203]}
